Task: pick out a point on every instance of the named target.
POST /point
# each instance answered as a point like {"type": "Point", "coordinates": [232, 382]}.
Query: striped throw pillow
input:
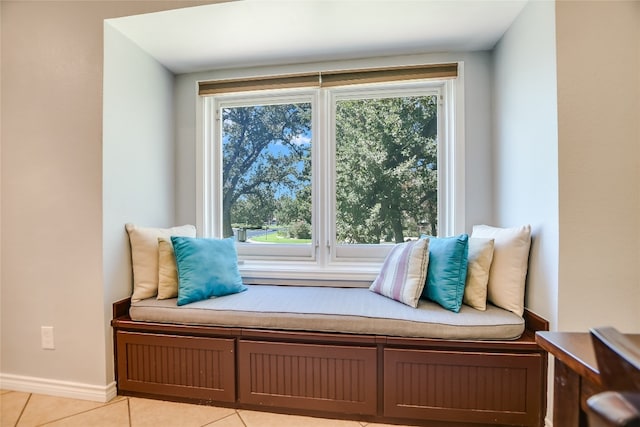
{"type": "Point", "coordinates": [404, 272]}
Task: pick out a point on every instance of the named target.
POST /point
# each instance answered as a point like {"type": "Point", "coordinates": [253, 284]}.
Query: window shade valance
{"type": "Point", "coordinates": [330, 78]}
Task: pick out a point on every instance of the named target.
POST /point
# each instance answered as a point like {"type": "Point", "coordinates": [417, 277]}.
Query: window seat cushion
{"type": "Point", "coordinates": [331, 309]}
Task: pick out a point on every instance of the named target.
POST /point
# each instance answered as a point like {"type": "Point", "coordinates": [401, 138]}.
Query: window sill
{"type": "Point", "coordinates": [307, 272]}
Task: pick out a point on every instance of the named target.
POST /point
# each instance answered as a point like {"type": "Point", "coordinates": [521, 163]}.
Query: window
{"type": "Point", "coordinates": [319, 180]}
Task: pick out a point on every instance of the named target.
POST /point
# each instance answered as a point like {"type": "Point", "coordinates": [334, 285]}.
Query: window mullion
{"type": "Point", "coordinates": [444, 156]}
{"type": "Point", "coordinates": [321, 181]}
{"type": "Point", "coordinates": [330, 175]}
{"type": "Point", "coordinates": [206, 187]}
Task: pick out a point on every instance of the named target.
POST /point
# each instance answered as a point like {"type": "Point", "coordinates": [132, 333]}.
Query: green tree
{"type": "Point", "coordinates": [297, 205]}
{"type": "Point", "coordinates": [253, 209]}
{"type": "Point", "coordinates": [262, 151]}
{"type": "Point", "coordinates": [386, 167]}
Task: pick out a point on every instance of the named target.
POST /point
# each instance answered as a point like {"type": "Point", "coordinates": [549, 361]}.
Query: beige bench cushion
{"type": "Point", "coordinates": [330, 309]}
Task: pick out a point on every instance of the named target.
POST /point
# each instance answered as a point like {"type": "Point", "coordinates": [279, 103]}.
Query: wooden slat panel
{"type": "Point", "coordinates": [302, 376]}
{"type": "Point", "coordinates": [190, 367]}
{"type": "Point", "coordinates": [495, 388]}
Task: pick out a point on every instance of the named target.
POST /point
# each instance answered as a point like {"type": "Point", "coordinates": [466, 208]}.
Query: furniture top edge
{"type": "Point", "coordinates": [121, 308]}
{"type": "Point", "coordinates": [534, 322]}
{"type": "Point", "coordinates": [574, 349]}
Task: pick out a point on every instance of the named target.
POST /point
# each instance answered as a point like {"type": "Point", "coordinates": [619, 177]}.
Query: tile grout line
{"type": "Point", "coordinates": [241, 419]}
{"type": "Point", "coordinates": [223, 418]}
{"type": "Point", "coordinates": [83, 412]}
{"type": "Point", "coordinates": [129, 411]}
{"type": "Point", "coordinates": [23, 408]}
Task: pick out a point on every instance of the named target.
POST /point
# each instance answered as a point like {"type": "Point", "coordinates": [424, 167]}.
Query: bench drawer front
{"type": "Point", "coordinates": [457, 386]}
{"type": "Point", "coordinates": [185, 367]}
{"type": "Point", "coordinates": [339, 379]}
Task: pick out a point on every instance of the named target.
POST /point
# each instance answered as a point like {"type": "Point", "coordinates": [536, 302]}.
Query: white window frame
{"type": "Point", "coordinates": [248, 251]}
{"type": "Point", "coordinates": [323, 259]}
{"type": "Point", "coordinates": [377, 252]}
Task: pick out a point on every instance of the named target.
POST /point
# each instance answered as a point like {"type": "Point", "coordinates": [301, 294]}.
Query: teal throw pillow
{"type": "Point", "coordinates": [206, 268]}
{"type": "Point", "coordinates": [447, 271]}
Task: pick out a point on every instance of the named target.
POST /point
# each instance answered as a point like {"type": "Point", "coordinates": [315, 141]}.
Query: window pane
{"type": "Point", "coordinates": [386, 169]}
{"type": "Point", "coordinates": [267, 172]}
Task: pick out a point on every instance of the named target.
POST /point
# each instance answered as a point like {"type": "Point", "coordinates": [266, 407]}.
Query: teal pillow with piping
{"type": "Point", "coordinates": [206, 268]}
{"type": "Point", "coordinates": [447, 271]}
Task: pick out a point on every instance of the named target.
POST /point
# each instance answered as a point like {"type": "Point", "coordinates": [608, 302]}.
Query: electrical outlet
{"type": "Point", "coordinates": [46, 335]}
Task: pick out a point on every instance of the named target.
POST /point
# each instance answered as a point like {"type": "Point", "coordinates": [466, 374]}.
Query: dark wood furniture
{"type": "Point", "coordinates": [370, 378]}
{"type": "Point", "coordinates": [576, 374]}
{"type": "Point", "coordinates": [618, 358]}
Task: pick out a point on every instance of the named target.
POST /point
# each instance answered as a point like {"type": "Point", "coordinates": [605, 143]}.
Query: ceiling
{"type": "Point", "coordinates": [248, 33]}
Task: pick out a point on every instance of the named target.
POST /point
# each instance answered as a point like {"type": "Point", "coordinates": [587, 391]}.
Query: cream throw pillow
{"type": "Point", "coordinates": [167, 270]}
{"type": "Point", "coordinates": [480, 256]}
{"type": "Point", "coordinates": [144, 256]}
{"type": "Point", "coordinates": [508, 271]}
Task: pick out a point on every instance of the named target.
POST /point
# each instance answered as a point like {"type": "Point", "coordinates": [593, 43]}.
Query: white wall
{"type": "Point", "coordinates": [51, 193]}
{"type": "Point", "coordinates": [567, 157]}
{"type": "Point", "coordinates": [598, 46]}
{"type": "Point", "coordinates": [525, 146]}
{"type": "Point", "coordinates": [477, 83]}
{"type": "Point", "coordinates": [525, 178]}
{"type": "Point", "coordinates": [53, 270]}
{"type": "Point", "coordinates": [138, 162]}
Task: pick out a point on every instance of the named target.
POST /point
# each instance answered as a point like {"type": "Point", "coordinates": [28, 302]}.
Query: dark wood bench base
{"type": "Point", "coordinates": [361, 377]}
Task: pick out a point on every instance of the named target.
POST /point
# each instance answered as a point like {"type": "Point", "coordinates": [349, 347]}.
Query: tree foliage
{"type": "Point", "coordinates": [296, 207]}
{"type": "Point", "coordinates": [386, 157]}
{"type": "Point", "coordinates": [262, 152]}
{"type": "Point", "coordinates": [386, 167]}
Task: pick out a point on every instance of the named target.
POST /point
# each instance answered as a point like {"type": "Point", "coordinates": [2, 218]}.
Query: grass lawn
{"type": "Point", "coordinates": [275, 238]}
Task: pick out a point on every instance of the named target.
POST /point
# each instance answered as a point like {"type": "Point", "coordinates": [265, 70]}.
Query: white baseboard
{"type": "Point", "coordinates": [58, 388]}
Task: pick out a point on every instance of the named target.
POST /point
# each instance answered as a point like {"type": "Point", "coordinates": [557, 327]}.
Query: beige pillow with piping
{"type": "Point", "coordinates": [479, 264]}
{"type": "Point", "coordinates": [144, 256]}
{"type": "Point", "coordinates": [508, 271]}
{"type": "Point", "coordinates": [167, 270]}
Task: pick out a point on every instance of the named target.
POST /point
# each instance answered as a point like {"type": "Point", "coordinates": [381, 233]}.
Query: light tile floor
{"type": "Point", "coordinates": [18, 409]}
